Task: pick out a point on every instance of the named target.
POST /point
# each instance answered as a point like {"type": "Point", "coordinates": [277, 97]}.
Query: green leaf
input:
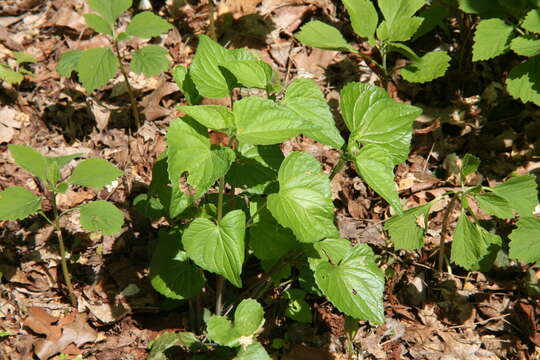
{"type": "Point", "coordinates": [526, 46]}
{"type": "Point", "coordinates": [221, 330]}
{"type": "Point", "coordinates": [355, 285]}
{"type": "Point", "coordinates": [304, 201]}
{"type": "Point", "coordinates": [218, 248]}
{"type": "Point", "coordinates": [532, 21]}
{"type": "Point", "coordinates": [214, 117]}
{"type": "Point", "coordinates": [23, 57]}
{"type": "Point", "coordinates": [205, 70]}
{"type": "Point", "coordinates": [469, 165]}
{"type": "Point", "coordinates": [94, 173]}
{"type": "Point", "coordinates": [254, 351]}
{"type": "Point", "coordinates": [150, 60]}
{"type": "Point", "coordinates": [494, 204]}
{"type": "Point", "coordinates": [18, 203]}
{"type": "Point", "coordinates": [110, 9]}
{"type": "Point", "coordinates": [30, 160]}
{"type": "Point", "coordinates": [69, 62]}
{"type": "Point", "coordinates": [520, 192]}
{"type": "Point", "coordinates": [469, 244]}
{"type": "Point", "coordinates": [54, 164]}
{"type": "Point", "coordinates": [168, 340]}
{"type": "Point", "coordinates": [263, 122]}
{"type": "Point", "coordinates": [433, 16]}
{"type": "Point", "coordinates": [149, 206]}
{"type": "Point", "coordinates": [523, 82]}
{"type": "Point", "coordinates": [270, 241]}
{"type": "Point", "coordinates": [524, 244]}
{"type": "Point", "coordinates": [374, 118]}
{"type": "Point", "coordinates": [375, 166]}
{"type": "Point", "coordinates": [182, 77]}
{"type": "Point", "coordinates": [248, 319]}
{"type": "Point", "coordinates": [96, 67]}
{"type": "Point", "coordinates": [430, 66]}
{"type": "Point", "coordinates": [401, 29]}
{"type": "Point", "coordinates": [171, 273]}
{"type": "Point", "coordinates": [98, 24]}
{"type": "Point", "coordinates": [393, 9]}
{"type": "Point", "coordinates": [479, 6]}
{"type": "Point", "coordinates": [10, 76]}
{"type": "Point", "coordinates": [491, 39]}
{"type": "Point", "coordinates": [189, 152]}
{"type": "Point", "coordinates": [255, 169]}
{"type": "Point", "coordinates": [251, 73]}
{"type": "Point", "coordinates": [307, 101]}
{"type": "Point", "coordinates": [103, 216]}
{"type": "Point", "coordinates": [363, 15]}
{"type": "Point", "coordinates": [297, 308]}
{"type": "Point", "coordinates": [404, 229]}
{"type": "Point", "coordinates": [146, 25]}
{"type": "Point", "coordinates": [321, 35]}
{"type": "Point", "coordinates": [327, 250]}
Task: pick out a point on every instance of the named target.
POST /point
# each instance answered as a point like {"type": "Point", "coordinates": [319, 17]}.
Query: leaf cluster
{"type": "Point", "coordinates": [473, 246]}
{"type": "Point", "coordinates": [16, 75]}
{"type": "Point", "coordinates": [388, 33]}
{"type": "Point", "coordinates": [96, 66]}
{"type": "Point", "coordinates": [17, 202]}
{"type": "Point", "coordinates": [510, 26]}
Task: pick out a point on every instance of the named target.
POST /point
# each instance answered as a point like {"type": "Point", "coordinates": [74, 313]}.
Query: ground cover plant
{"type": "Point", "coordinates": [398, 26]}
{"type": "Point", "coordinates": [296, 191]}
{"type": "Point", "coordinates": [18, 203]}
{"type": "Point", "coordinates": [97, 66]}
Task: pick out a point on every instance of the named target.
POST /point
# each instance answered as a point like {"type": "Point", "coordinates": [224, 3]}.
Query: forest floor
{"type": "Point", "coordinates": [454, 315]}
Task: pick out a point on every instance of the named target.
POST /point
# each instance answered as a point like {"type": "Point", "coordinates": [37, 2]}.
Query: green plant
{"type": "Point", "coordinates": [270, 208]}
{"type": "Point", "coordinates": [510, 25]}
{"type": "Point", "coordinates": [97, 66]}
{"type": "Point", "coordinates": [473, 246]}
{"type": "Point", "coordinates": [399, 25]}
{"type": "Point", "coordinates": [18, 203]}
{"type": "Point", "coordinates": [16, 76]}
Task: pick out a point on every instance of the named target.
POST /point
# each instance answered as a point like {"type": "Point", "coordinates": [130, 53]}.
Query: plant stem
{"type": "Point", "coordinates": [130, 91]}
{"type": "Point", "coordinates": [67, 275]}
{"type": "Point", "coordinates": [220, 279]}
{"type": "Point", "coordinates": [339, 166]}
{"type": "Point", "coordinates": [211, 13]}
{"type": "Point", "coordinates": [446, 217]}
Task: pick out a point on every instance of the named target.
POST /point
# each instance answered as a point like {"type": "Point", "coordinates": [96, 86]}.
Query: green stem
{"type": "Point", "coordinates": [63, 260]}
{"type": "Point", "coordinates": [220, 279]}
{"type": "Point", "coordinates": [130, 91]}
{"type": "Point", "coordinates": [211, 13]}
{"type": "Point", "coordinates": [444, 228]}
{"type": "Point", "coordinates": [339, 166]}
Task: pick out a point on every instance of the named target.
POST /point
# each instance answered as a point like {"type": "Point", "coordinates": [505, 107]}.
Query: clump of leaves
{"type": "Point", "coordinates": [515, 26]}
{"type": "Point", "coordinates": [96, 66]}
{"type": "Point", "coordinates": [243, 198]}
{"type": "Point", "coordinates": [473, 246]}
{"type": "Point", "coordinates": [18, 203]}
{"type": "Point", "coordinates": [16, 75]}
{"type": "Point", "coordinates": [399, 25]}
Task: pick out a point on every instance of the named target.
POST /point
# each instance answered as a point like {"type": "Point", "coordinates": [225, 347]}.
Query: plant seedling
{"type": "Point", "coordinates": [16, 75]}
{"type": "Point", "coordinates": [18, 203]}
{"type": "Point", "coordinates": [473, 246]}
{"type": "Point", "coordinates": [399, 25]}
{"type": "Point", "coordinates": [510, 25]}
{"type": "Point", "coordinates": [95, 67]}
{"type": "Point", "coordinates": [276, 209]}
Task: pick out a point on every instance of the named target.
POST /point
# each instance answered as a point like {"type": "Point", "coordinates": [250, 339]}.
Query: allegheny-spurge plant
{"type": "Point", "coordinates": [399, 25]}
{"type": "Point", "coordinates": [95, 67]}
{"type": "Point", "coordinates": [16, 75]}
{"type": "Point", "coordinates": [473, 246]}
{"type": "Point", "coordinates": [18, 203]}
{"type": "Point", "coordinates": [510, 25]}
{"type": "Point", "coordinates": [270, 211]}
